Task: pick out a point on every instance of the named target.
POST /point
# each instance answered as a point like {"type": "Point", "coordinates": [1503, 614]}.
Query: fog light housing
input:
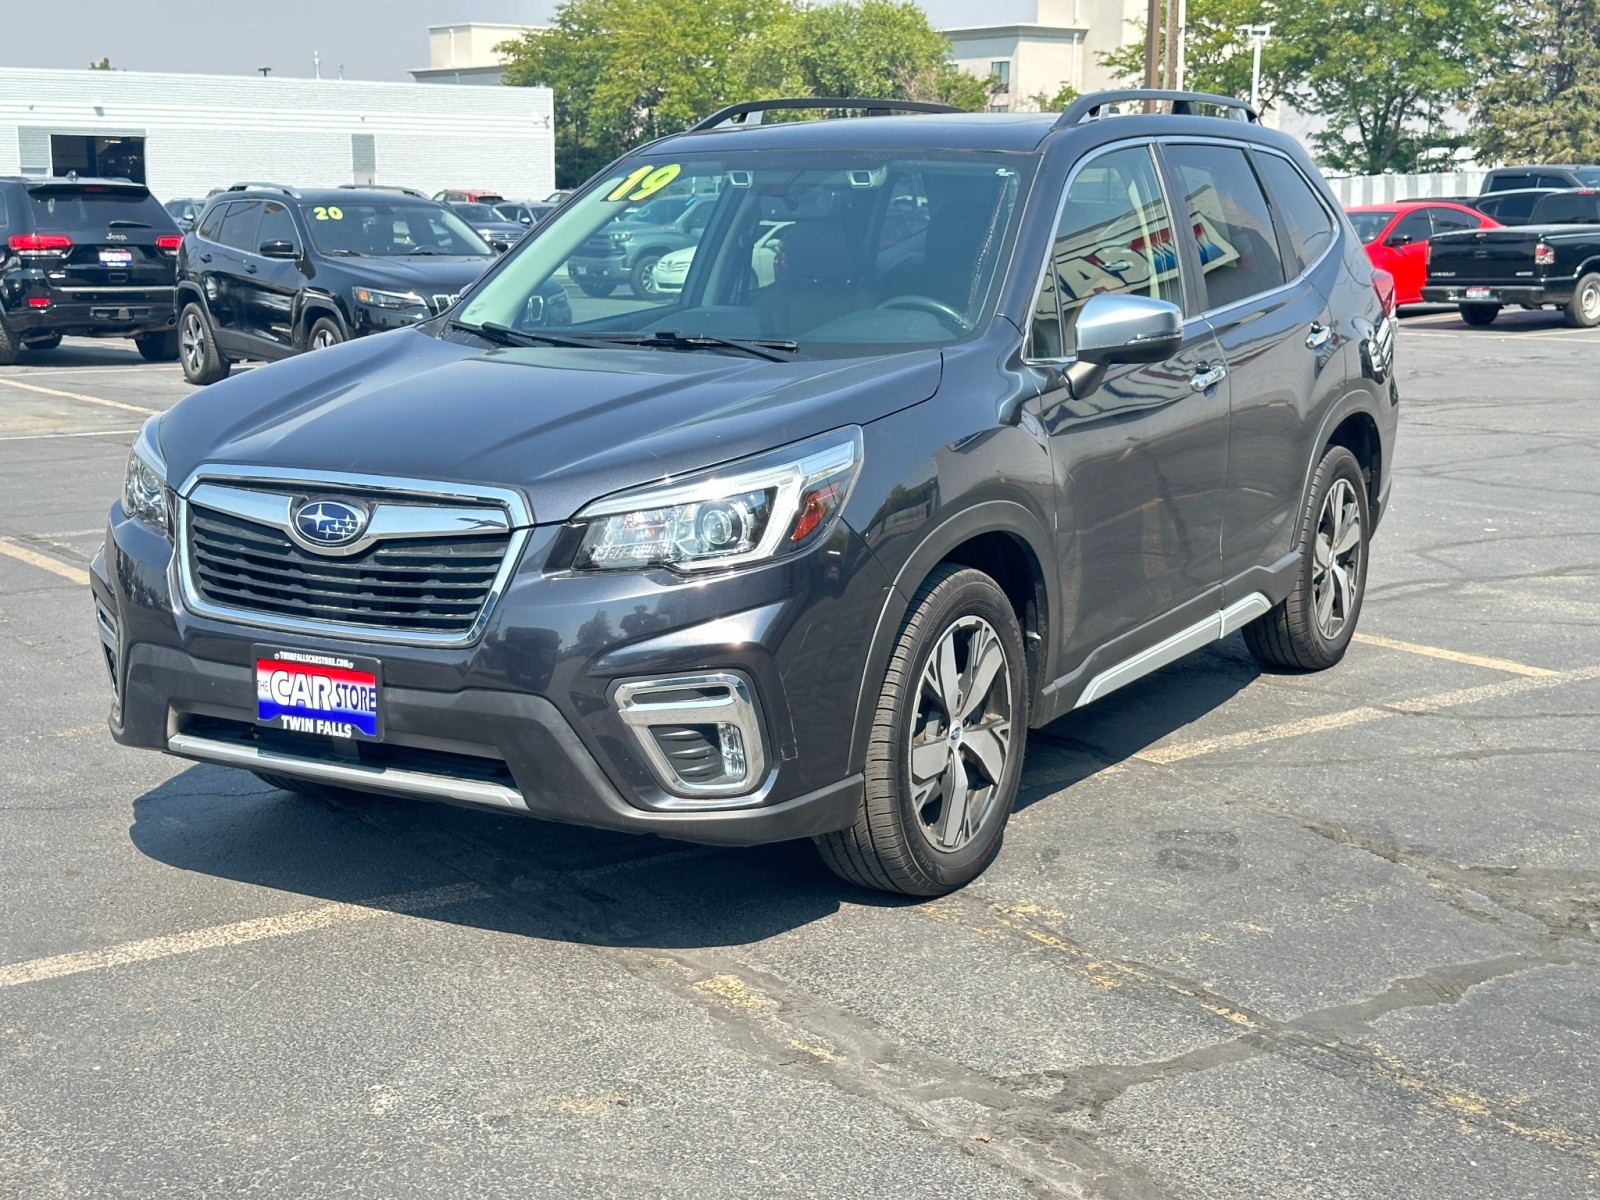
{"type": "Point", "coordinates": [701, 734]}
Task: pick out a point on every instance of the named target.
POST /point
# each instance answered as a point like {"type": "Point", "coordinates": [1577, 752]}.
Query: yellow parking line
{"type": "Point", "coordinates": [43, 561]}
{"type": "Point", "coordinates": [100, 400]}
{"type": "Point", "coordinates": [1363, 714]}
{"type": "Point", "coordinates": [237, 933]}
{"type": "Point", "coordinates": [1473, 660]}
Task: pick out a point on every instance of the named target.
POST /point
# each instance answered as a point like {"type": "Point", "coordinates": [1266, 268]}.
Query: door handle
{"type": "Point", "coordinates": [1204, 381]}
{"type": "Point", "coordinates": [1318, 337]}
{"type": "Point", "coordinates": [249, 268]}
{"type": "Point", "coordinates": [205, 258]}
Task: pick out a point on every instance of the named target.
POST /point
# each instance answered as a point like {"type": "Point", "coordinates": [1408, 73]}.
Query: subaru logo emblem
{"type": "Point", "coordinates": [329, 522]}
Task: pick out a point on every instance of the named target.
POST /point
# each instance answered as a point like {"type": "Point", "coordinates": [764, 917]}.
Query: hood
{"type": "Point", "coordinates": [564, 425]}
{"type": "Point", "coordinates": [422, 272]}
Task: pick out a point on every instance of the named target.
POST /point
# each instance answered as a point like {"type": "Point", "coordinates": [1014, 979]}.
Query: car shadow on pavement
{"type": "Point", "coordinates": [590, 886]}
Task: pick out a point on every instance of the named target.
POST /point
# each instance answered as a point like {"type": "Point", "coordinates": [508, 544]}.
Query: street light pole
{"type": "Point", "coordinates": [1258, 35]}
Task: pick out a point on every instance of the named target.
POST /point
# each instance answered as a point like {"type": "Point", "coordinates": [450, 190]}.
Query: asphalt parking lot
{"type": "Point", "coordinates": [1250, 936]}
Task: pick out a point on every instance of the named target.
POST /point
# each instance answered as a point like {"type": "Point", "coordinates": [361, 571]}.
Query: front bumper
{"type": "Point", "coordinates": [526, 719]}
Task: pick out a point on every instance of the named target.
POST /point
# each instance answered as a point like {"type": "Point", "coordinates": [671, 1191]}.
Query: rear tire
{"type": "Point", "coordinates": [947, 743]}
{"type": "Point", "coordinates": [202, 362]}
{"type": "Point", "coordinates": [1479, 314]}
{"type": "Point", "coordinates": [48, 342]}
{"type": "Point", "coordinates": [598, 288]}
{"type": "Point", "coordinates": [9, 345]}
{"type": "Point", "coordinates": [1583, 310]}
{"type": "Point", "coordinates": [158, 347]}
{"type": "Point", "coordinates": [1312, 628]}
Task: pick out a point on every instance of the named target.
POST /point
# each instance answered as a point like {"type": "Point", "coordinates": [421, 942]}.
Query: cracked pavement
{"type": "Point", "coordinates": [1251, 936]}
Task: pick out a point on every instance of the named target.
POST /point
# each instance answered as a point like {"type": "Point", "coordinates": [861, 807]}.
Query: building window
{"type": "Point", "coordinates": [1000, 76]}
{"type": "Point", "coordinates": [999, 108]}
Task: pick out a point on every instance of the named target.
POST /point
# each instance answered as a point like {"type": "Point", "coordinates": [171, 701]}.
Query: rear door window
{"type": "Point", "coordinates": [1447, 219]}
{"type": "Point", "coordinates": [1305, 222]}
{"type": "Point", "coordinates": [1115, 236]}
{"type": "Point", "coordinates": [1415, 225]}
{"type": "Point", "coordinates": [239, 226]}
{"type": "Point", "coordinates": [1229, 221]}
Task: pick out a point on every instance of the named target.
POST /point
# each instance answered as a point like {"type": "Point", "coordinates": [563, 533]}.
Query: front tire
{"type": "Point", "coordinates": [598, 288]}
{"type": "Point", "coordinates": [324, 332]}
{"type": "Point", "coordinates": [1312, 628]}
{"type": "Point", "coordinates": [1479, 314]}
{"type": "Point", "coordinates": [202, 362]}
{"type": "Point", "coordinates": [1583, 310]}
{"type": "Point", "coordinates": [642, 280]}
{"type": "Point", "coordinates": [158, 347]}
{"type": "Point", "coordinates": [945, 755]}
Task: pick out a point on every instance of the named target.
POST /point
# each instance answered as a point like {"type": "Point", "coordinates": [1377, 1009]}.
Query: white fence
{"type": "Point", "coordinates": [1353, 190]}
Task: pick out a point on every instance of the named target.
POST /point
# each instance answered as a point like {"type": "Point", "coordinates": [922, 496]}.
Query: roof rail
{"type": "Point", "coordinates": [751, 110]}
{"type": "Point", "coordinates": [384, 187]}
{"type": "Point", "coordinates": [253, 185]}
{"type": "Point", "coordinates": [1088, 107]}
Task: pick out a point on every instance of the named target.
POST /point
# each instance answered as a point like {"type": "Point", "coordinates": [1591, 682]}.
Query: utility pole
{"type": "Point", "coordinates": [316, 64]}
{"type": "Point", "coordinates": [1152, 51]}
{"type": "Point", "coordinates": [1170, 49]}
{"type": "Point", "coordinates": [1183, 44]}
{"type": "Point", "coordinates": [1258, 35]}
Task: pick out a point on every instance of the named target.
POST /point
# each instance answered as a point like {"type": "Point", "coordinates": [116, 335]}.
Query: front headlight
{"type": "Point", "coordinates": [746, 513]}
{"type": "Point", "coordinates": [144, 491]}
{"type": "Point", "coordinates": [380, 299]}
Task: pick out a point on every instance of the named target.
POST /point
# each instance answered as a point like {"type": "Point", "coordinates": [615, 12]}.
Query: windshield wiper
{"type": "Point", "coordinates": [123, 223]}
{"type": "Point", "coordinates": [772, 349]}
{"type": "Point", "coordinates": [342, 253]}
{"type": "Point", "coordinates": [425, 250]}
{"type": "Point", "coordinates": [504, 335]}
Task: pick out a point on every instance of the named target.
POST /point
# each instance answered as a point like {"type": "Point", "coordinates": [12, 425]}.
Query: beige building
{"type": "Point", "coordinates": [1061, 46]}
{"type": "Point", "coordinates": [466, 53]}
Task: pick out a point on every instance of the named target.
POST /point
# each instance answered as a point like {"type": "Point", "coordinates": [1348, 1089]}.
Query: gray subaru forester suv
{"type": "Point", "coordinates": [1018, 409]}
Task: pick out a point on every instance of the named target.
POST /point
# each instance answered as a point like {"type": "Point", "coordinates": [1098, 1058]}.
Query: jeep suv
{"type": "Point", "coordinates": [800, 557]}
{"type": "Point", "coordinates": [86, 258]}
{"type": "Point", "coordinates": [269, 271]}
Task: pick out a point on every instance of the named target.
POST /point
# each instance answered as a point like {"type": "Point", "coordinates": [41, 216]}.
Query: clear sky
{"type": "Point", "coordinates": [372, 39]}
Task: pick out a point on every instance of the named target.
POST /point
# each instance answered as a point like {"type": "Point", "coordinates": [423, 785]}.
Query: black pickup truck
{"type": "Point", "coordinates": [1553, 260]}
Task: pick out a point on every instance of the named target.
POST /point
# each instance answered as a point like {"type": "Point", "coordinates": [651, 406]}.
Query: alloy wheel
{"type": "Point", "coordinates": [961, 735]}
{"type": "Point", "coordinates": [1336, 570]}
{"type": "Point", "coordinates": [1590, 303]}
{"type": "Point", "coordinates": [192, 343]}
{"type": "Point", "coordinates": [323, 338]}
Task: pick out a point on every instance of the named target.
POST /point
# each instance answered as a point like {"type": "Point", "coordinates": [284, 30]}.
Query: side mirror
{"type": "Point", "coordinates": [279, 249]}
{"type": "Point", "coordinates": [1127, 329]}
{"type": "Point", "coordinates": [1396, 240]}
{"type": "Point", "coordinates": [525, 219]}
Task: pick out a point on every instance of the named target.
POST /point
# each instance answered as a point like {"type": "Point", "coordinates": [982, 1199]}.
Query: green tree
{"type": "Point", "coordinates": [1046, 102]}
{"type": "Point", "coordinates": [878, 48]}
{"type": "Point", "coordinates": [626, 71]}
{"type": "Point", "coordinates": [1383, 74]}
{"type": "Point", "coordinates": [1541, 100]}
{"type": "Point", "coordinates": [103, 65]}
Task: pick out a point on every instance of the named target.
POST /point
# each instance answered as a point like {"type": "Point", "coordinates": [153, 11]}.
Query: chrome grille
{"type": "Point", "coordinates": [423, 585]}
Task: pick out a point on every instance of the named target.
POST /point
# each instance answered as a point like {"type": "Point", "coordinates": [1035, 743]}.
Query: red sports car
{"type": "Point", "coordinates": [1396, 237]}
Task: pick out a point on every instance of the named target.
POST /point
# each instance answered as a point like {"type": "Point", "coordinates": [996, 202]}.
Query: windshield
{"type": "Point", "coordinates": [391, 230]}
{"type": "Point", "coordinates": [1368, 225]}
{"type": "Point", "coordinates": [1588, 176]}
{"type": "Point", "coordinates": [840, 253]}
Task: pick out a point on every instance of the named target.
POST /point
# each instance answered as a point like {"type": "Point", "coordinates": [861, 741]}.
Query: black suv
{"type": "Point", "coordinates": [805, 548]}
{"type": "Point", "coordinates": [269, 271]}
{"type": "Point", "coordinates": [85, 257]}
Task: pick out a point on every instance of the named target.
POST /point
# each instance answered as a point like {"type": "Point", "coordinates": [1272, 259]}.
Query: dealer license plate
{"type": "Point", "coordinates": [1477, 293]}
{"type": "Point", "coordinates": [330, 694]}
{"type": "Point", "coordinates": [116, 258]}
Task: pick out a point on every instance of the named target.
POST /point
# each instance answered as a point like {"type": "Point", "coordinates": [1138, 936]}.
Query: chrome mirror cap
{"type": "Point", "coordinates": [1128, 329]}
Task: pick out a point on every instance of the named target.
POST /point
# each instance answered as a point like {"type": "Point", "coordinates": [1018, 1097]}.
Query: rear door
{"type": "Point", "coordinates": [1408, 254]}
{"type": "Point", "coordinates": [1266, 296]}
{"type": "Point", "coordinates": [266, 286]}
{"type": "Point", "coordinates": [230, 274]}
{"type": "Point", "coordinates": [1140, 461]}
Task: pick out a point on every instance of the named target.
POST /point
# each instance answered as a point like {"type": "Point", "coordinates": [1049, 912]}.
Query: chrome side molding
{"type": "Point", "coordinates": [1202, 633]}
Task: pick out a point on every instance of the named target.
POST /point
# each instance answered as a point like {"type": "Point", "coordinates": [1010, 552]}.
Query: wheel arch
{"type": "Point", "coordinates": [1358, 433]}
{"type": "Point", "coordinates": [312, 306]}
{"type": "Point", "coordinates": [1005, 540]}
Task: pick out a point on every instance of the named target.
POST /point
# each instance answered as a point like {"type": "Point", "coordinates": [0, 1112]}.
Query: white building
{"type": "Point", "coordinates": [186, 134]}
{"type": "Point", "coordinates": [1062, 46]}
{"type": "Point", "coordinates": [466, 53]}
